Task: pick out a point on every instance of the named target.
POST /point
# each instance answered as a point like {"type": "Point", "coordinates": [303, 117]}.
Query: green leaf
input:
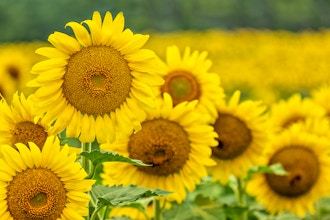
{"type": "Point", "coordinates": [98, 156]}
{"type": "Point", "coordinates": [122, 195]}
{"type": "Point", "coordinates": [72, 142]}
{"type": "Point", "coordinates": [276, 169]}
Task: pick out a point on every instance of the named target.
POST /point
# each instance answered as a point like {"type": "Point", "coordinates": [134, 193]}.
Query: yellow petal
{"type": "Point", "coordinates": [81, 33]}
{"type": "Point", "coordinates": [64, 42]}
{"type": "Point", "coordinates": [13, 158]}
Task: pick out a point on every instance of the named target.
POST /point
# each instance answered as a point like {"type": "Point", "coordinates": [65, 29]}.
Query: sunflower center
{"type": "Point", "coordinates": [13, 71]}
{"type": "Point", "coordinates": [162, 143]}
{"type": "Point", "coordinates": [27, 131]}
{"type": "Point", "coordinates": [182, 86]}
{"type": "Point", "coordinates": [302, 167]}
{"type": "Point", "coordinates": [97, 80]}
{"type": "Point", "coordinates": [36, 194]}
{"type": "Point", "coordinates": [234, 137]}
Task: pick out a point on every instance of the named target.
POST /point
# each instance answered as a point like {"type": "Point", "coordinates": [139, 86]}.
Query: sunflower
{"type": "Point", "coordinates": [287, 112]}
{"type": "Point", "coordinates": [243, 135]}
{"type": "Point", "coordinates": [16, 60]}
{"type": "Point", "coordinates": [188, 78]}
{"type": "Point", "coordinates": [97, 82]}
{"type": "Point", "coordinates": [42, 184]}
{"type": "Point", "coordinates": [305, 156]}
{"type": "Point", "coordinates": [321, 96]}
{"type": "Point", "coordinates": [19, 123]}
{"type": "Point", "coordinates": [175, 140]}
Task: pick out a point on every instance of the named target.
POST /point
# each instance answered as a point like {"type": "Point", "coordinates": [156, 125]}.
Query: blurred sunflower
{"type": "Point", "coordinates": [19, 124]}
{"type": "Point", "coordinates": [305, 157]}
{"type": "Point", "coordinates": [45, 184]}
{"type": "Point", "coordinates": [243, 134]}
{"type": "Point", "coordinates": [316, 126]}
{"type": "Point", "coordinates": [321, 96]}
{"type": "Point", "coordinates": [175, 140]}
{"type": "Point", "coordinates": [97, 82]}
{"type": "Point", "coordinates": [187, 78]}
{"type": "Point", "coordinates": [16, 61]}
{"type": "Point", "coordinates": [287, 112]}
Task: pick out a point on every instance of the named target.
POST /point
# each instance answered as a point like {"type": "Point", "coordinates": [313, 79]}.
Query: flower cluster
{"type": "Point", "coordinates": [106, 112]}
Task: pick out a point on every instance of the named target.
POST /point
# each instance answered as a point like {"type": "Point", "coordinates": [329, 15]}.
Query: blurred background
{"type": "Point", "coordinates": [268, 49]}
{"type": "Point", "coordinates": [36, 19]}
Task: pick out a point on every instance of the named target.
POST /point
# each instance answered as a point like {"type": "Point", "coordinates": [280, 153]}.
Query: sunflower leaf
{"type": "Point", "coordinates": [98, 156]}
{"type": "Point", "coordinates": [122, 195]}
{"type": "Point", "coordinates": [276, 169]}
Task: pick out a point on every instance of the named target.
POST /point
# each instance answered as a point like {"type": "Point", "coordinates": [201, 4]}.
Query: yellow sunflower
{"type": "Point", "coordinates": [42, 184]}
{"type": "Point", "coordinates": [305, 156]}
{"type": "Point", "coordinates": [243, 134]}
{"type": "Point", "coordinates": [188, 78]}
{"type": "Point", "coordinates": [19, 124]}
{"type": "Point", "coordinates": [16, 60]}
{"type": "Point", "coordinates": [175, 140]}
{"type": "Point", "coordinates": [98, 81]}
{"type": "Point", "coordinates": [287, 112]}
{"type": "Point", "coordinates": [321, 96]}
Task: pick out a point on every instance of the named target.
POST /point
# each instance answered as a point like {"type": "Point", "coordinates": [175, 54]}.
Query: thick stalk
{"type": "Point", "coordinates": [241, 197]}
{"type": "Point", "coordinates": [86, 164]}
{"type": "Point", "coordinates": [158, 210]}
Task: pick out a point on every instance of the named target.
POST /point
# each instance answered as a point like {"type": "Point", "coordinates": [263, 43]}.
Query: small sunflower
{"type": "Point", "coordinates": [19, 124]}
{"type": "Point", "coordinates": [243, 135]}
{"type": "Point", "coordinates": [305, 156]}
{"type": "Point", "coordinates": [16, 60]}
{"type": "Point", "coordinates": [97, 82]}
{"type": "Point", "coordinates": [321, 96]}
{"type": "Point", "coordinates": [175, 140]}
{"type": "Point", "coordinates": [42, 184]}
{"type": "Point", "coordinates": [287, 112]}
{"type": "Point", "coordinates": [188, 78]}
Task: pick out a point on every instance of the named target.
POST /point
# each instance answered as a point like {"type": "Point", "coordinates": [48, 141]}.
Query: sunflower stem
{"type": "Point", "coordinates": [85, 163]}
{"type": "Point", "coordinates": [241, 197]}
{"type": "Point", "coordinates": [95, 213]}
{"type": "Point", "coordinates": [158, 210]}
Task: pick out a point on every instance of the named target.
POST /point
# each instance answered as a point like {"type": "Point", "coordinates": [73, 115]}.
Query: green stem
{"type": "Point", "coordinates": [241, 197]}
{"type": "Point", "coordinates": [85, 163]}
{"type": "Point", "coordinates": [158, 210]}
{"type": "Point", "coordinates": [95, 213]}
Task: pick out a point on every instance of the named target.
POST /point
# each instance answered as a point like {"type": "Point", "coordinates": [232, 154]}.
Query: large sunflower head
{"type": "Point", "coordinates": [305, 156]}
{"type": "Point", "coordinates": [188, 78]}
{"type": "Point", "coordinates": [42, 184]}
{"type": "Point", "coordinates": [175, 141]}
{"type": "Point", "coordinates": [20, 124]}
{"type": "Point", "coordinates": [97, 81]}
{"type": "Point", "coordinates": [243, 134]}
{"type": "Point", "coordinates": [295, 109]}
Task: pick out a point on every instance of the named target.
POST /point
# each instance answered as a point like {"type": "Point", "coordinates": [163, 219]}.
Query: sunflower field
{"type": "Point", "coordinates": [102, 122]}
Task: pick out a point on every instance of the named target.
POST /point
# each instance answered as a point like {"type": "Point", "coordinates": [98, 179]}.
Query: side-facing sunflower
{"type": "Point", "coordinates": [175, 140]}
{"type": "Point", "coordinates": [188, 78]}
{"type": "Point", "coordinates": [321, 96]}
{"type": "Point", "coordinates": [243, 134]}
{"type": "Point", "coordinates": [98, 81]}
{"type": "Point", "coordinates": [284, 113]}
{"type": "Point", "coordinates": [20, 124]}
{"type": "Point", "coordinates": [305, 156]}
{"type": "Point", "coordinates": [42, 184]}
